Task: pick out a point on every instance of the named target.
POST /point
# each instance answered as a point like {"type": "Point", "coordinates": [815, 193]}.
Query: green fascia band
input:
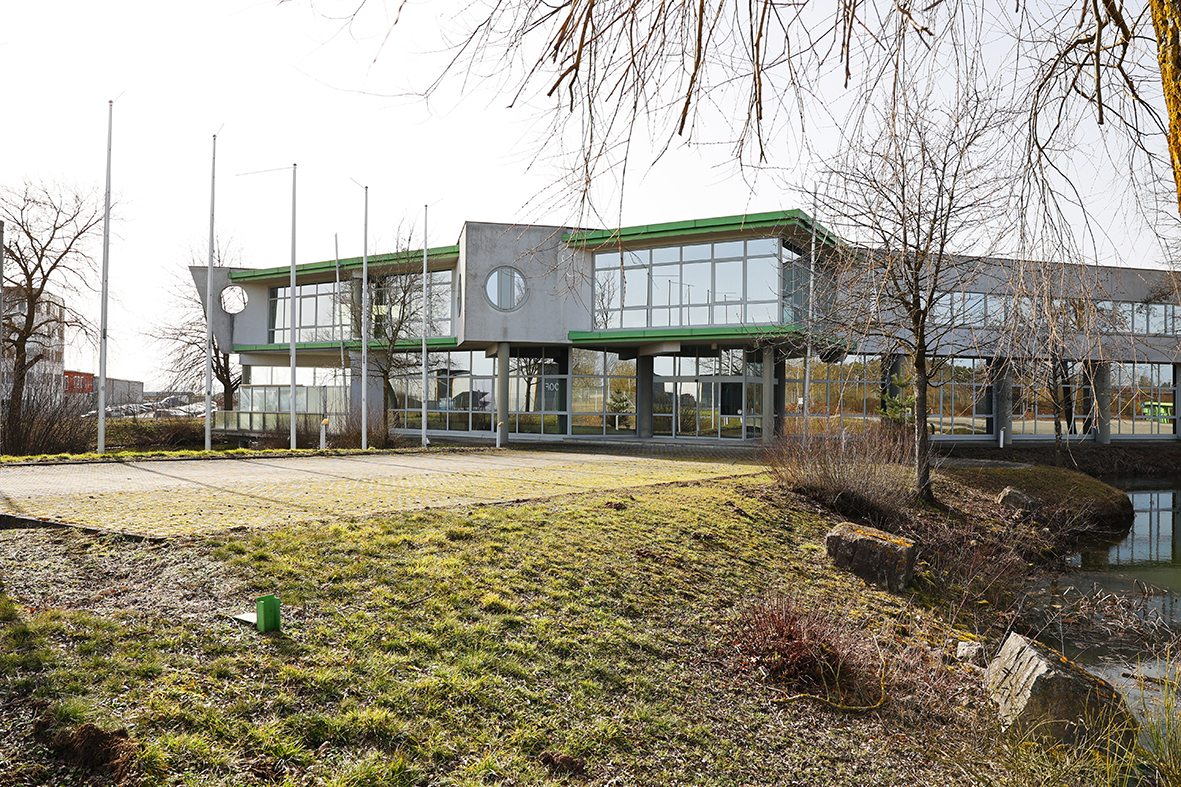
{"type": "Point", "coordinates": [750, 332]}
{"type": "Point", "coordinates": [437, 254]}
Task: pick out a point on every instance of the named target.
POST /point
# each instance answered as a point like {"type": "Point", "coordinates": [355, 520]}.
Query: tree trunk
{"type": "Point", "coordinates": [385, 410]}
{"type": "Point", "coordinates": [1166, 18]}
{"type": "Point", "coordinates": [15, 433]}
{"type": "Point", "coordinates": [922, 443]}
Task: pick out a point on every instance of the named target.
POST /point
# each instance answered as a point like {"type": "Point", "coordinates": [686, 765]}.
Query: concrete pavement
{"type": "Point", "coordinates": [161, 499]}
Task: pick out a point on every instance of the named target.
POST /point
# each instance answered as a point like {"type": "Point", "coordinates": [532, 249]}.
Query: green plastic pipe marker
{"type": "Point", "coordinates": [267, 608]}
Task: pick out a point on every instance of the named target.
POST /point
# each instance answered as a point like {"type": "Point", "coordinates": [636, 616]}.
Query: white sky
{"type": "Point", "coordinates": [284, 85]}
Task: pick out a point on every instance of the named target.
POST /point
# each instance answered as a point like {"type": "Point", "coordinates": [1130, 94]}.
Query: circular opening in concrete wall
{"type": "Point", "coordinates": [505, 288]}
{"type": "Point", "coordinates": [233, 299]}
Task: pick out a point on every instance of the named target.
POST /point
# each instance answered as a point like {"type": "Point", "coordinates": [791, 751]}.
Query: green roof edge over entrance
{"type": "Point", "coordinates": [753, 332]}
{"type": "Point", "coordinates": [348, 263]}
{"type": "Point", "coordinates": [643, 233]}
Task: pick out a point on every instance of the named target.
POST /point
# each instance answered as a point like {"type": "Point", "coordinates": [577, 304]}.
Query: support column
{"type": "Point", "coordinates": [1101, 380]}
{"type": "Point", "coordinates": [780, 394]}
{"type": "Point", "coordinates": [502, 363]}
{"type": "Point", "coordinates": [892, 366]}
{"type": "Point", "coordinates": [768, 395]}
{"type": "Point", "coordinates": [644, 370]}
{"type": "Point", "coordinates": [1002, 387]}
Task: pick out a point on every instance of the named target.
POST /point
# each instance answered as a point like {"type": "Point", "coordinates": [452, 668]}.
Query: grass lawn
{"type": "Point", "coordinates": [451, 647]}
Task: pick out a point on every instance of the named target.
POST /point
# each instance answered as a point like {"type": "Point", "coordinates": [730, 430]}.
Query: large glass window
{"type": "Point", "coordinates": [727, 283]}
{"type": "Point", "coordinates": [320, 314]}
{"type": "Point", "coordinates": [397, 306]}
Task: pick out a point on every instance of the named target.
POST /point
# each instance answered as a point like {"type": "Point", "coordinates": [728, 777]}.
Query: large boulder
{"type": "Point", "coordinates": [1042, 694]}
{"type": "Point", "coordinates": [1014, 498]}
{"type": "Point", "coordinates": [874, 555]}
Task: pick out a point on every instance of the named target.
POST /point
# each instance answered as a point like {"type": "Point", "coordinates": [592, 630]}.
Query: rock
{"type": "Point", "coordinates": [1014, 498]}
{"type": "Point", "coordinates": [971, 652]}
{"type": "Point", "coordinates": [874, 555]}
{"type": "Point", "coordinates": [1040, 693]}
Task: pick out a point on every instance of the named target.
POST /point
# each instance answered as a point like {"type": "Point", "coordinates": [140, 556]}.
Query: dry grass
{"type": "Point", "coordinates": [864, 476]}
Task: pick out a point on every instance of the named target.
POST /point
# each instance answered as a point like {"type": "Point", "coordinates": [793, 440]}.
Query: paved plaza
{"type": "Point", "coordinates": [160, 499]}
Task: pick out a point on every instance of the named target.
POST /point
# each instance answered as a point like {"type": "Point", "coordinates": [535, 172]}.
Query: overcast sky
{"type": "Point", "coordinates": [285, 85]}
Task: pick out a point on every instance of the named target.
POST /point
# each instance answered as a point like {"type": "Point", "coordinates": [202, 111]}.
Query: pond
{"type": "Point", "coordinates": [1130, 588]}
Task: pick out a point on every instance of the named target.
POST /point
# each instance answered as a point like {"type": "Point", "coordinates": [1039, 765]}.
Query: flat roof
{"type": "Point", "coordinates": [410, 257]}
{"type": "Point", "coordinates": [774, 221]}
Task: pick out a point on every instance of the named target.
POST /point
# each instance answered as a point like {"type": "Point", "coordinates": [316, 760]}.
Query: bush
{"type": "Point", "coordinates": [810, 649]}
{"type": "Point", "coordinates": [144, 433]}
{"type": "Point", "coordinates": [49, 423]}
{"type": "Point", "coordinates": [865, 476]}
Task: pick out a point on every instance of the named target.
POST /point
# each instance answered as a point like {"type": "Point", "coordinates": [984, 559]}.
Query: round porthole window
{"type": "Point", "coordinates": [505, 289]}
{"type": "Point", "coordinates": [233, 299]}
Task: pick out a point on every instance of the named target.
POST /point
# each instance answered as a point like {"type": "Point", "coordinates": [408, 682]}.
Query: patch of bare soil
{"type": "Point", "coordinates": [66, 569]}
{"type": "Point", "coordinates": [93, 749]}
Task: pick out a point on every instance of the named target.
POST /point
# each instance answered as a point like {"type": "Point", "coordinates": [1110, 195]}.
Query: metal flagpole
{"type": "Point", "coordinates": [292, 321]}
{"type": "Point", "coordinates": [102, 341]}
{"type": "Point", "coordinates": [3, 336]}
{"type": "Point", "coordinates": [425, 321]}
{"type": "Point", "coordinates": [209, 309]}
{"type": "Point", "coordinates": [336, 251]}
{"type": "Point", "coordinates": [808, 327]}
{"type": "Point", "coordinates": [365, 328]}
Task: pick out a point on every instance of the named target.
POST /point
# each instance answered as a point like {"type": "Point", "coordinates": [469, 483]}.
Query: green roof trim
{"type": "Point", "coordinates": [752, 222]}
{"type": "Point", "coordinates": [436, 254]}
{"type": "Point", "coordinates": [713, 333]}
{"type": "Point", "coordinates": [432, 343]}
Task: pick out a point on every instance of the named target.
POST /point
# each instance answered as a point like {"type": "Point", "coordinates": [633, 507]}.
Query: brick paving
{"type": "Point", "coordinates": [161, 499]}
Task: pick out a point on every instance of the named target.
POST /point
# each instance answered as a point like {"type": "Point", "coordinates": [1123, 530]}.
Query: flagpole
{"type": "Point", "coordinates": [209, 309]}
{"type": "Point", "coordinates": [365, 328]}
{"type": "Point", "coordinates": [102, 341]}
{"type": "Point", "coordinates": [336, 251]}
{"type": "Point", "coordinates": [3, 336]}
{"type": "Point", "coordinates": [292, 321]}
{"type": "Point", "coordinates": [425, 322]}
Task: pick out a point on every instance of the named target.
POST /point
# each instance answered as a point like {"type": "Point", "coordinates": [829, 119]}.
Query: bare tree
{"type": "Point", "coordinates": [48, 265]}
{"type": "Point", "coordinates": [398, 316]}
{"type": "Point", "coordinates": [758, 74]}
{"type": "Point", "coordinates": [184, 336]}
{"type": "Point", "coordinates": [924, 191]}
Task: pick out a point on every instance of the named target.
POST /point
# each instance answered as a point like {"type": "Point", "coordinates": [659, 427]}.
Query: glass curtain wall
{"type": "Point", "coordinates": [320, 315]}
{"type": "Point", "coordinates": [1143, 399]}
{"type": "Point", "coordinates": [264, 399]}
{"type": "Point", "coordinates": [728, 283]}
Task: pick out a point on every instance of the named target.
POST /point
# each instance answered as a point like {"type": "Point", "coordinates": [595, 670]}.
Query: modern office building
{"type": "Point", "coordinates": [685, 330]}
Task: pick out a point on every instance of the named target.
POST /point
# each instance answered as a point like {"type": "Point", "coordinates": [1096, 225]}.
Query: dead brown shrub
{"type": "Point", "coordinates": [808, 648]}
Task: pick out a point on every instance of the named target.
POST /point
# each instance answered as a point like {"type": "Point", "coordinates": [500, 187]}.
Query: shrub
{"type": "Point", "coordinates": [810, 649]}
{"type": "Point", "coordinates": [866, 475]}
{"type": "Point", "coordinates": [147, 432]}
{"type": "Point", "coordinates": [49, 423]}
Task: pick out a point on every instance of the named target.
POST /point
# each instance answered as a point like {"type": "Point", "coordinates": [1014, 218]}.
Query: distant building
{"type": "Point", "coordinates": [119, 392]}
{"type": "Point", "coordinates": [46, 347]}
